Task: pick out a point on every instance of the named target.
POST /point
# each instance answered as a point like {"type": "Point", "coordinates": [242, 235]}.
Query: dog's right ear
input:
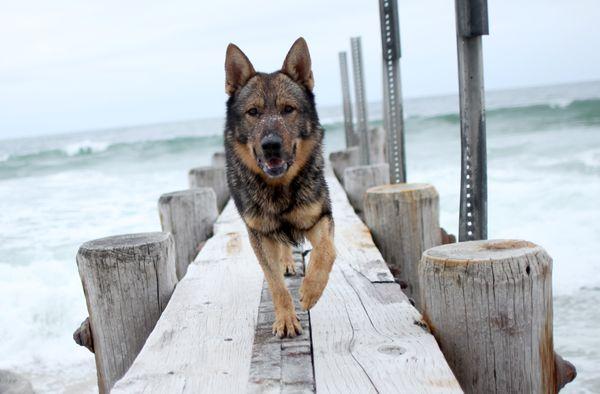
{"type": "Point", "coordinates": [238, 69]}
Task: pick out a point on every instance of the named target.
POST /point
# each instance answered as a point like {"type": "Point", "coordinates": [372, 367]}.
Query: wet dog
{"type": "Point", "coordinates": [273, 146]}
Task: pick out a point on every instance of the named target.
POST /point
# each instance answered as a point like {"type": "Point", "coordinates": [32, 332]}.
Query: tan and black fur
{"type": "Point", "coordinates": [273, 145]}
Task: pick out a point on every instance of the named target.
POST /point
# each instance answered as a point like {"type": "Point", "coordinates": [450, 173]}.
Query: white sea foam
{"type": "Point", "coordinates": [85, 147]}
{"type": "Point", "coordinates": [543, 187]}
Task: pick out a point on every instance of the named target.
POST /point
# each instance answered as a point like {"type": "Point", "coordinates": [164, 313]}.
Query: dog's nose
{"type": "Point", "coordinates": [271, 145]}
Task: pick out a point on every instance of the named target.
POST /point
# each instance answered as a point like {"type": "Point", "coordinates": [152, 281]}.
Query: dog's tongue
{"type": "Point", "coordinates": [274, 162]}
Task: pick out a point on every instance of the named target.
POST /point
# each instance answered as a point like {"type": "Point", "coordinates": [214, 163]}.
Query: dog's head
{"type": "Point", "coordinates": [271, 118]}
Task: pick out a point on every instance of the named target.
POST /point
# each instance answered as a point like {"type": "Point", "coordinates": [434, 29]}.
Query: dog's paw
{"type": "Point", "coordinates": [312, 288]}
{"type": "Point", "coordinates": [289, 267]}
{"type": "Point", "coordinates": [287, 325]}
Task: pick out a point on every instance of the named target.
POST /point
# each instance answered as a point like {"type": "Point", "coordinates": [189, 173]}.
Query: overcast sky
{"type": "Point", "coordinates": [80, 65]}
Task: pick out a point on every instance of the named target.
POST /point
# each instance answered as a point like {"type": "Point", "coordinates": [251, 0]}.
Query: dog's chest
{"type": "Point", "coordinates": [272, 217]}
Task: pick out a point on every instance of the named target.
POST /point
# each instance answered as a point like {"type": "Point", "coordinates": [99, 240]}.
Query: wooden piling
{"type": "Point", "coordinates": [215, 177]}
{"type": "Point", "coordinates": [189, 216]}
{"type": "Point", "coordinates": [404, 221]}
{"type": "Point", "coordinates": [358, 179]}
{"type": "Point", "coordinates": [377, 150]}
{"type": "Point", "coordinates": [489, 305]}
{"type": "Point", "coordinates": [343, 159]}
{"type": "Point", "coordinates": [218, 159]}
{"type": "Point", "coordinates": [127, 281]}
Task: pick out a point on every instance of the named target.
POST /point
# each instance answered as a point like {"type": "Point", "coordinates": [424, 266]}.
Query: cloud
{"type": "Point", "coordinates": [73, 65]}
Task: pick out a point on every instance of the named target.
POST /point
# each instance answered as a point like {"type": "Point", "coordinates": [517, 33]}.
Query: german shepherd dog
{"type": "Point", "coordinates": [273, 147]}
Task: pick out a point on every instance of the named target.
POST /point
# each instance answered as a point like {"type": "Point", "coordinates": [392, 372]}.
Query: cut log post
{"type": "Point", "coordinates": [127, 281]}
{"type": "Point", "coordinates": [489, 305]}
{"type": "Point", "coordinates": [215, 177]}
{"type": "Point", "coordinates": [189, 216]}
{"type": "Point", "coordinates": [343, 159]}
{"type": "Point", "coordinates": [83, 335]}
{"type": "Point", "coordinates": [358, 179]}
{"type": "Point", "coordinates": [218, 159]}
{"type": "Point", "coordinates": [377, 151]}
{"type": "Point", "coordinates": [404, 220]}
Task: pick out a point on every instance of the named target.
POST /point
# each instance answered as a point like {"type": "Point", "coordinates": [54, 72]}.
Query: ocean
{"type": "Point", "coordinates": [58, 191]}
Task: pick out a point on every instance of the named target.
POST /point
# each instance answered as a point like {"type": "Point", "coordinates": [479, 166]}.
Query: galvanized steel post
{"type": "Point", "coordinates": [471, 24]}
{"type": "Point", "coordinates": [360, 96]}
{"type": "Point", "coordinates": [392, 89]}
{"type": "Point", "coordinates": [347, 102]}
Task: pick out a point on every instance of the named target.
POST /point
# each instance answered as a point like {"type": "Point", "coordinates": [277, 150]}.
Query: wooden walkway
{"type": "Point", "coordinates": [362, 336]}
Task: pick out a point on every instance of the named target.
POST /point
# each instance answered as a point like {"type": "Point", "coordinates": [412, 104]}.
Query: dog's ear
{"type": "Point", "coordinates": [238, 69]}
{"type": "Point", "coordinates": [297, 64]}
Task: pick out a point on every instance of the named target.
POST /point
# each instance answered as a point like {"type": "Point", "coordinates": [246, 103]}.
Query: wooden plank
{"type": "Point", "coordinates": [282, 365]}
{"type": "Point", "coordinates": [203, 341]}
{"type": "Point", "coordinates": [366, 336]}
{"type": "Point", "coordinates": [353, 240]}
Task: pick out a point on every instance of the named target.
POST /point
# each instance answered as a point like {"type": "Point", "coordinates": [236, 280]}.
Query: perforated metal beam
{"type": "Point", "coordinates": [471, 22]}
{"type": "Point", "coordinates": [351, 139]}
{"type": "Point", "coordinates": [392, 90]}
{"type": "Point", "coordinates": [360, 96]}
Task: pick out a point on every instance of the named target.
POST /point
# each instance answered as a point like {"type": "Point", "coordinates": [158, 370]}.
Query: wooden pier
{"type": "Point", "coordinates": [362, 336]}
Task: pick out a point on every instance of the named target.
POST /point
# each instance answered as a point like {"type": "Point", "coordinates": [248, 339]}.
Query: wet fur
{"type": "Point", "coordinates": [284, 211]}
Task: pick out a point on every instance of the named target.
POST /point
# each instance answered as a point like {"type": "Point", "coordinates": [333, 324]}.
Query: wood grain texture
{"type": "Point", "coordinates": [489, 304]}
{"type": "Point", "coordinates": [358, 179]}
{"type": "Point", "coordinates": [128, 281]}
{"type": "Point", "coordinates": [214, 177]}
{"type": "Point", "coordinates": [353, 241]}
{"type": "Point", "coordinates": [366, 335]}
{"type": "Point", "coordinates": [203, 342]}
{"type": "Point", "coordinates": [343, 159]}
{"type": "Point", "coordinates": [282, 365]}
{"type": "Point", "coordinates": [404, 221]}
{"type": "Point", "coordinates": [189, 216]}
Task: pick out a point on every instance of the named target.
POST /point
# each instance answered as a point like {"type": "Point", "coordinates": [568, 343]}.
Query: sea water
{"type": "Point", "coordinates": [59, 191]}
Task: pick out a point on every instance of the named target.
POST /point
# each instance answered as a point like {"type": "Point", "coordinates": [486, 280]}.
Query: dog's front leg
{"type": "Point", "coordinates": [269, 255]}
{"type": "Point", "coordinates": [321, 262]}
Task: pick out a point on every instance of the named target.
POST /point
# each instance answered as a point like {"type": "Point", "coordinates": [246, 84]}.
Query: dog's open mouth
{"type": "Point", "coordinates": [274, 167]}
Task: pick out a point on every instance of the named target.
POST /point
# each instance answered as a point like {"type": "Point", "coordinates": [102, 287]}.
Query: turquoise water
{"type": "Point", "coordinates": [60, 191]}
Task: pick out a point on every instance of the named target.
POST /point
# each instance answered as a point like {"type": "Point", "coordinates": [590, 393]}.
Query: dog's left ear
{"type": "Point", "coordinates": [297, 64]}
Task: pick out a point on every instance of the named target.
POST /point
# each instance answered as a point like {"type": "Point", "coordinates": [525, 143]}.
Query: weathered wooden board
{"type": "Point", "coordinates": [366, 336]}
{"type": "Point", "coordinates": [353, 241]}
{"type": "Point", "coordinates": [282, 365]}
{"type": "Point", "coordinates": [203, 341]}
{"type": "Point", "coordinates": [362, 336]}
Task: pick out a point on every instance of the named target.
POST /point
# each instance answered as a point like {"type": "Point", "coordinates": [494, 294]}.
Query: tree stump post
{"type": "Point", "coordinates": [127, 281]}
{"type": "Point", "coordinates": [219, 159]}
{"type": "Point", "coordinates": [189, 216]}
{"type": "Point", "coordinates": [404, 221]}
{"type": "Point", "coordinates": [215, 177]}
{"type": "Point", "coordinates": [343, 159]}
{"type": "Point", "coordinates": [358, 179]}
{"type": "Point", "coordinates": [489, 305]}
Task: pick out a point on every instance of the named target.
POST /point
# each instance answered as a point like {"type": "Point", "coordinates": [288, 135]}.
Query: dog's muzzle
{"type": "Point", "coordinates": [272, 162]}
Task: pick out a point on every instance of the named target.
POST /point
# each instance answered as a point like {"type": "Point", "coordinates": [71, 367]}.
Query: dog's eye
{"type": "Point", "coordinates": [288, 109]}
{"type": "Point", "coordinates": [252, 112]}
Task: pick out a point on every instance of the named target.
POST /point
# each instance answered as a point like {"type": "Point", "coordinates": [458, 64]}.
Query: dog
{"type": "Point", "coordinates": [274, 159]}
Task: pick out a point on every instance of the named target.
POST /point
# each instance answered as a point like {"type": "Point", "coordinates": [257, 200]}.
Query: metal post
{"type": "Point", "coordinates": [392, 89]}
{"type": "Point", "coordinates": [348, 122]}
{"type": "Point", "coordinates": [361, 106]}
{"type": "Point", "coordinates": [471, 24]}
